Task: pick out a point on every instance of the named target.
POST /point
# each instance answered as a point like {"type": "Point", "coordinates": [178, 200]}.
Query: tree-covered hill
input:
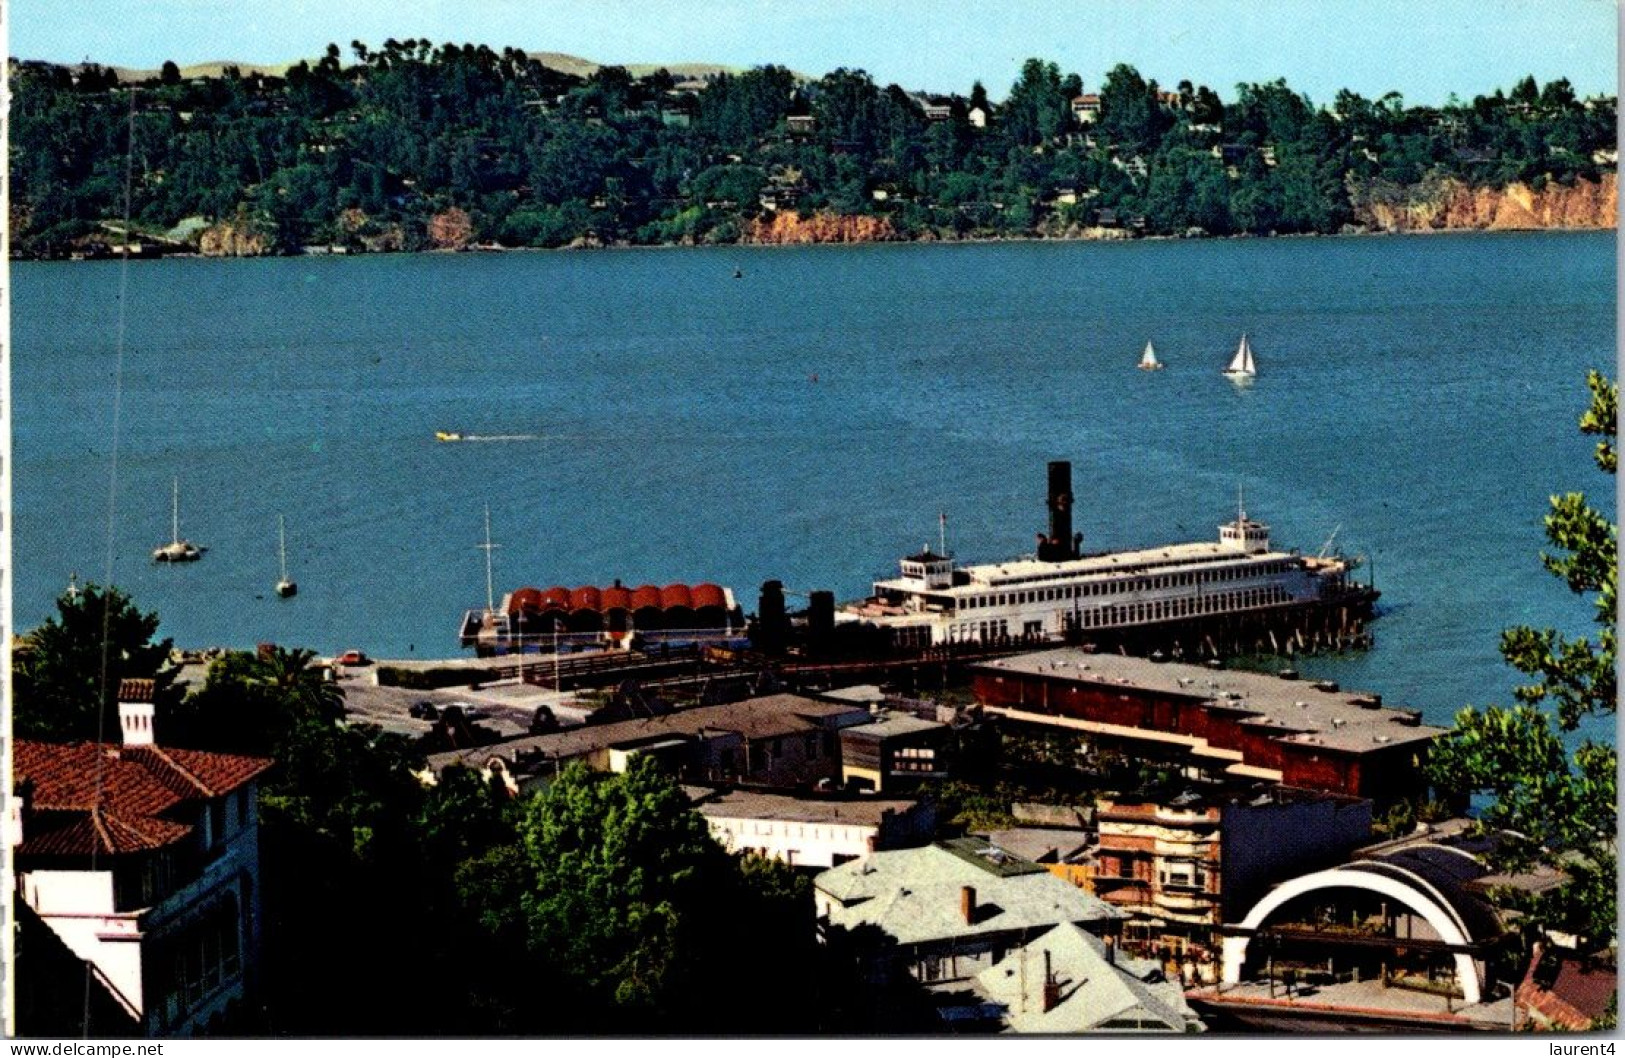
{"type": "Point", "coordinates": [417, 146]}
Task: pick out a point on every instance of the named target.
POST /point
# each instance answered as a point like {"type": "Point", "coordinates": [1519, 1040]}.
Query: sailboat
{"type": "Point", "coordinates": [285, 588]}
{"type": "Point", "coordinates": [1242, 368]}
{"type": "Point", "coordinates": [1148, 359]}
{"type": "Point", "coordinates": [177, 550]}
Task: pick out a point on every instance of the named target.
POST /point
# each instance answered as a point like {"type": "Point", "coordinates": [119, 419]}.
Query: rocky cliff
{"type": "Point", "coordinates": [238, 237]}
{"type": "Point", "coordinates": [788, 227]}
{"type": "Point", "coordinates": [1448, 204]}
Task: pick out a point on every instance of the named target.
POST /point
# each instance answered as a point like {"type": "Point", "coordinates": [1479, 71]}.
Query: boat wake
{"type": "Point", "coordinates": [503, 437]}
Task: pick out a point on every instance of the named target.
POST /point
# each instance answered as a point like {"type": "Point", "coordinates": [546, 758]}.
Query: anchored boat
{"type": "Point", "coordinates": [285, 588]}
{"type": "Point", "coordinates": [177, 550]}
{"type": "Point", "coordinates": [1148, 359]}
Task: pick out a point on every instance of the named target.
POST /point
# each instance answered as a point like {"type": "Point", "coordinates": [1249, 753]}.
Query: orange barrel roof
{"type": "Point", "coordinates": [709, 595]}
{"type": "Point", "coordinates": [525, 599]}
{"type": "Point", "coordinates": [616, 598]}
{"type": "Point", "coordinates": [557, 596]}
{"type": "Point", "coordinates": [647, 596]}
{"type": "Point", "coordinates": [585, 597]}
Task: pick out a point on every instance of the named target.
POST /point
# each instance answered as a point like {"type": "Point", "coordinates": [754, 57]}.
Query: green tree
{"type": "Point", "coordinates": [1557, 803]}
{"type": "Point", "coordinates": [254, 703]}
{"type": "Point", "coordinates": [66, 672]}
{"type": "Point", "coordinates": [635, 919]}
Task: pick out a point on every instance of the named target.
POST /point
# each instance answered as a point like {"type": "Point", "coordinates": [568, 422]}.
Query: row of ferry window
{"type": "Point", "coordinates": [1155, 611]}
{"type": "Point", "coordinates": [1118, 587]}
{"type": "Point", "coordinates": [1145, 611]}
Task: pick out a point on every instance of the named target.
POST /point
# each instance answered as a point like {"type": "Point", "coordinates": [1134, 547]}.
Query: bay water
{"type": "Point", "coordinates": [808, 421]}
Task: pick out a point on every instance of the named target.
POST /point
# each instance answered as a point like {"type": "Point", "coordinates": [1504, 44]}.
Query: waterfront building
{"type": "Point", "coordinates": [540, 619]}
{"type": "Point", "coordinates": [1182, 594]}
{"type": "Point", "coordinates": [137, 874]}
{"type": "Point", "coordinates": [812, 831]}
{"type": "Point", "coordinates": [1216, 722]}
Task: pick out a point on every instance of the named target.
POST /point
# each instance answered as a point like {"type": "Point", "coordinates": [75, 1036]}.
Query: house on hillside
{"type": "Point", "coordinates": [137, 869]}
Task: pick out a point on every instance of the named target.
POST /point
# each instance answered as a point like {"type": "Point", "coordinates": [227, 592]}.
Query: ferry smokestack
{"type": "Point", "coordinates": [1060, 545]}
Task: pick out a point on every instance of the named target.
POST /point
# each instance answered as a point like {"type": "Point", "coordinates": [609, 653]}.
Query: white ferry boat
{"type": "Point", "coordinates": [1060, 593]}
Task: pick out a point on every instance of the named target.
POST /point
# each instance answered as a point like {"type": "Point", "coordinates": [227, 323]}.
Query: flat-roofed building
{"type": "Point", "coordinates": [895, 751]}
{"type": "Point", "coordinates": [812, 831]}
{"type": "Point", "coordinates": [1311, 735]}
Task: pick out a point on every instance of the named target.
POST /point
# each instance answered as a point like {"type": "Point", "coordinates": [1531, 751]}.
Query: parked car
{"type": "Point", "coordinates": [423, 711]}
{"type": "Point", "coordinates": [353, 657]}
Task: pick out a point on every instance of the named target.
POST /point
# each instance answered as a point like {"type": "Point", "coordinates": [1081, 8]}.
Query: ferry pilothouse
{"type": "Point", "coordinates": [1059, 593]}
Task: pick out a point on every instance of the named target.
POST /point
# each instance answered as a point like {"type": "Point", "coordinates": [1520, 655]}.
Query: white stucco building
{"type": "Point", "coordinates": [144, 863]}
{"type": "Point", "coordinates": [812, 831]}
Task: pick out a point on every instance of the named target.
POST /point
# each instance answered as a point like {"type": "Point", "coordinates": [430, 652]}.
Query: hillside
{"type": "Point", "coordinates": [418, 146]}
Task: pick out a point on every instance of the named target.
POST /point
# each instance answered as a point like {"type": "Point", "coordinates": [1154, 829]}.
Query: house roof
{"type": "Point", "coordinates": [772, 716]}
{"type": "Point", "coordinates": [915, 895]}
{"type": "Point", "coordinates": [1042, 844]}
{"type": "Point", "coordinates": [892, 725]}
{"type": "Point", "coordinates": [87, 797]}
{"type": "Point", "coordinates": [1093, 989]}
{"type": "Point", "coordinates": [756, 804]}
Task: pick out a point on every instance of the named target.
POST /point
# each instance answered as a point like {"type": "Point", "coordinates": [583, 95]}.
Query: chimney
{"type": "Point", "coordinates": [1052, 987]}
{"type": "Point", "coordinates": [135, 712]}
{"type": "Point", "coordinates": [967, 904]}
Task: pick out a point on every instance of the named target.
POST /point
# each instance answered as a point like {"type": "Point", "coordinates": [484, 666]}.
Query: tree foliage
{"type": "Point", "coordinates": [637, 919]}
{"type": "Point", "coordinates": [1559, 804]}
{"type": "Point", "coordinates": [367, 155]}
{"type": "Point", "coordinates": [66, 672]}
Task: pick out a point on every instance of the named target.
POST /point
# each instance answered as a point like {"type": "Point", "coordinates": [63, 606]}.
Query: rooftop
{"type": "Point", "coordinates": [768, 717]}
{"type": "Point", "coordinates": [892, 725]}
{"type": "Point", "coordinates": [1297, 711]}
{"type": "Point", "coordinates": [1042, 844]}
{"type": "Point", "coordinates": [85, 798]}
{"type": "Point", "coordinates": [754, 804]}
{"type": "Point", "coordinates": [915, 895]}
{"type": "Point", "coordinates": [1092, 988]}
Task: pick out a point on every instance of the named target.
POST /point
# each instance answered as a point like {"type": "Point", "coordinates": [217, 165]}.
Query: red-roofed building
{"type": "Point", "coordinates": [144, 862]}
{"type": "Point", "coordinates": [1564, 992]}
{"type": "Point", "coordinates": [590, 616]}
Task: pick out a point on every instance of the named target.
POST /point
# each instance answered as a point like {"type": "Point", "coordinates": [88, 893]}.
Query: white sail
{"type": "Point", "coordinates": [1148, 359]}
{"type": "Point", "coordinates": [1242, 364]}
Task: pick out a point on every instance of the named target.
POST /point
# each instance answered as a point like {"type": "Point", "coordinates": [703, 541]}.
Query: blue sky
{"type": "Point", "coordinates": [1425, 50]}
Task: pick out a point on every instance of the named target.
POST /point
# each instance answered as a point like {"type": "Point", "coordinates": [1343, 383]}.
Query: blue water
{"type": "Point", "coordinates": [1419, 392]}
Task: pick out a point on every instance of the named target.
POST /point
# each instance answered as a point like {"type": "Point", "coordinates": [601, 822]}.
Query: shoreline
{"type": "Point", "coordinates": [974, 240]}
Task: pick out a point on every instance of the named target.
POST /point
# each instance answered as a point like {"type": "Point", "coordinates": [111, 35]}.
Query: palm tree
{"type": "Point", "coordinates": [300, 689]}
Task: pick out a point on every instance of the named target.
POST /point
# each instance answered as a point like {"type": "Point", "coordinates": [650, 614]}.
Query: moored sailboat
{"type": "Point", "coordinates": [285, 588]}
{"type": "Point", "coordinates": [1148, 359]}
{"type": "Point", "coordinates": [177, 550]}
